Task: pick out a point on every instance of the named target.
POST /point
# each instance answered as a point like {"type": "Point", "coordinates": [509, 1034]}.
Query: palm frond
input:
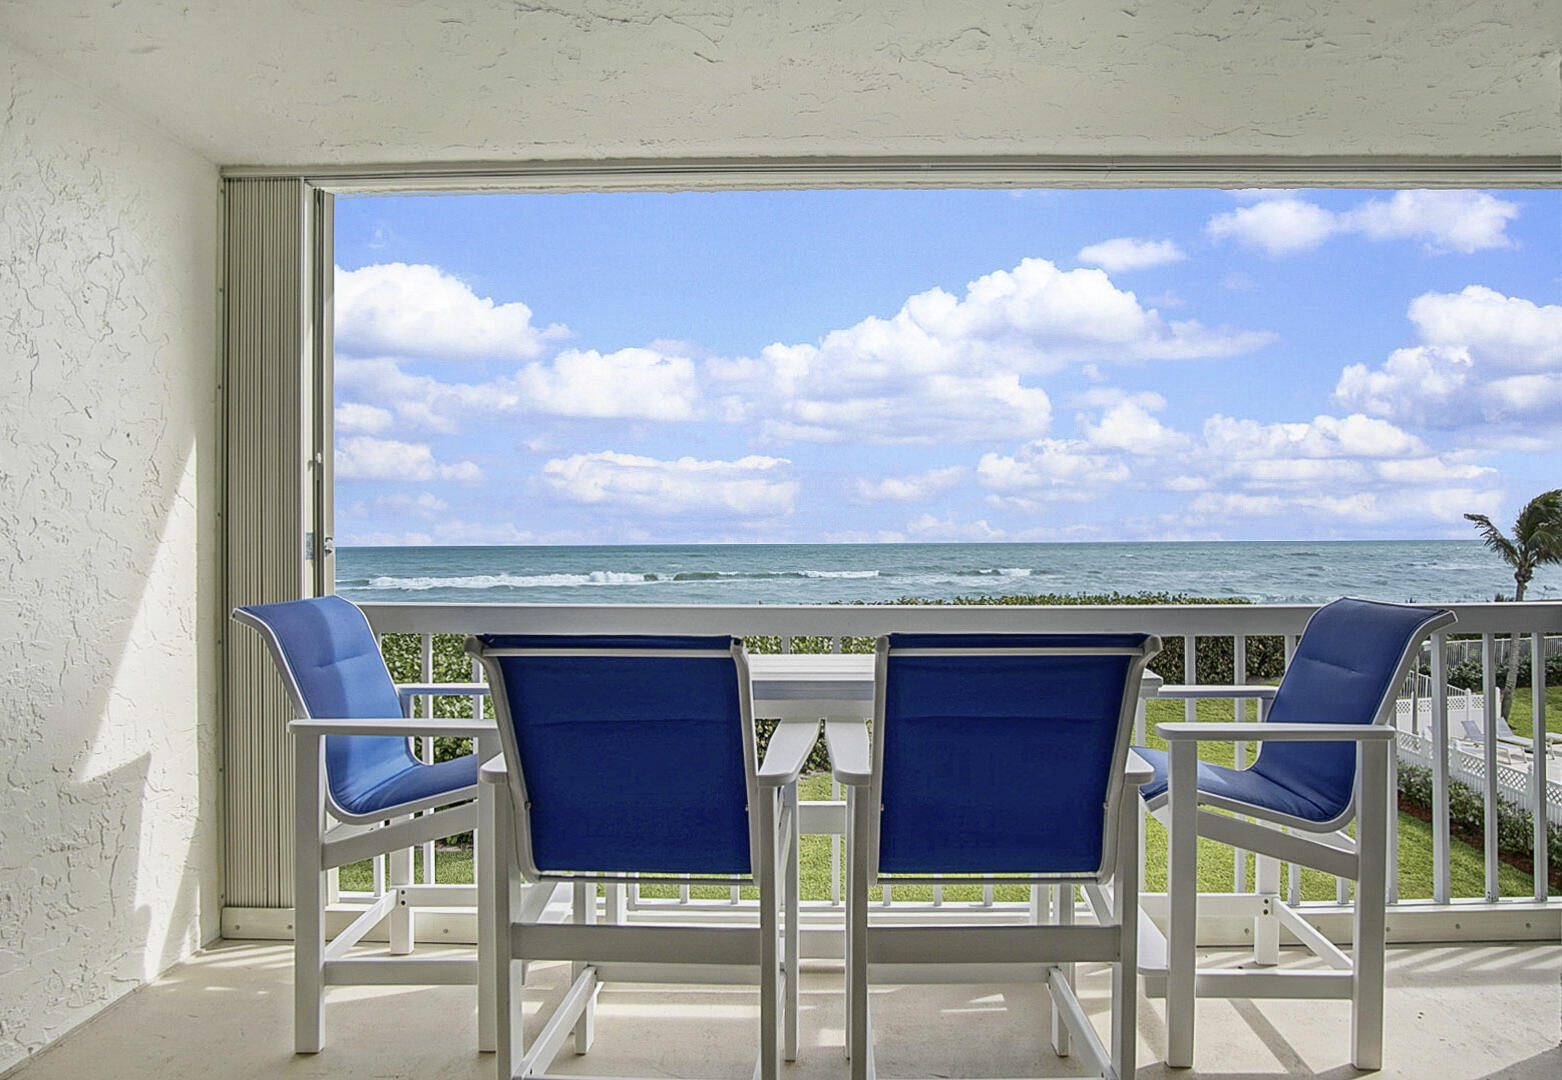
{"type": "Point", "coordinates": [1494, 539]}
{"type": "Point", "coordinates": [1538, 529]}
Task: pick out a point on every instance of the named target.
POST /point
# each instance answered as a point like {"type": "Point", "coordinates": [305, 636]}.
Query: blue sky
{"type": "Point", "coordinates": [944, 365]}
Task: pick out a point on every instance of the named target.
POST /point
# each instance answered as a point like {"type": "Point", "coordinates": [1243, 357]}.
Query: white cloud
{"type": "Point", "coordinates": [1125, 253]}
{"type": "Point", "coordinates": [1333, 472]}
{"type": "Point", "coordinates": [751, 485]}
{"type": "Point", "coordinates": [1462, 221]}
{"type": "Point", "coordinates": [1050, 469]}
{"type": "Point", "coordinates": [1126, 424]}
{"type": "Point", "coordinates": [354, 418]}
{"type": "Point", "coordinates": [629, 383]}
{"type": "Point", "coordinates": [1344, 511]}
{"type": "Point", "coordinates": [906, 488]}
{"type": "Point", "coordinates": [1354, 436]}
{"type": "Point", "coordinates": [1423, 386]}
{"type": "Point", "coordinates": [1485, 358]}
{"type": "Point", "coordinates": [363, 457]}
{"type": "Point", "coordinates": [1278, 226]}
{"type": "Point", "coordinates": [954, 369]}
{"type": "Point", "coordinates": [397, 309]}
{"type": "Point", "coordinates": [425, 505]}
{"type": "Point", "coordinates": [1508, 332]}
{"type": "Point", "coordinates": [928, 527]}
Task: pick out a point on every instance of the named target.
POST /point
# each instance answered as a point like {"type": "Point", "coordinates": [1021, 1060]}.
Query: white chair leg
{"type": "Point", "coordinates": [793, 933]}
{"type": "Point", "coordinates": [1182, 874]}
{"type": "Point", "coordinates": [585, 915]}
{"type": "Point", "coordinates": [308, 896]}
{"type": "Point", "coordinates": [859, 1036]}
{"type": "Point", "coordinates": [1125, 909]}
{"type": "Point", "coordinates": [1062, 915]}
{"type": "Point", "coordinates": [503, 887]}
{"type": "Point", "coordinates": [769, 938]}
{"type": "Point", "coordinates": [490, 907]}
{"type": "Point", "coordinates": [401, 914]}
{"type": "Point", "coordinates": [1371, 896]}
{"type": "Point", "coordinates": [1266, 928]}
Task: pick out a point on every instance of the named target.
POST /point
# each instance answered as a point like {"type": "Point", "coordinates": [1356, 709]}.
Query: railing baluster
{"type": "Point", "coordinates": [1489, 756]}
{"type": "Point", "coordinates": [426, 644]}
{"type": "Point", "coordinates": [1541, 811]}
{"type": "Point", "coordinates": [1190, 674]}
{"type": "Point", "coordinates": [1442, 856]}
{"type": "Point", "coordinates": [835, 848]}
{"type": "Point", "coordinates": [1393, 818]}
{"type": "Point", "coordinates": [1293, 882]}
{"type": "Point", "coordinates": [1239, 749]}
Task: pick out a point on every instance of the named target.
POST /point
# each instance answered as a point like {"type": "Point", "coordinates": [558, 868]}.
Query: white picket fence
{"type": "Point", "coordinates": [1468, 766]}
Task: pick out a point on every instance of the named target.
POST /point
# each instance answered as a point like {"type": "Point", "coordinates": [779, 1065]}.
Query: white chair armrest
{"type": "Point", "coordinates": [1137, 772]}
{"type": "Point", "coordinates": [1179, 690]}
{"type": "Point", "coordinates": [493, 771]}
{"type": "Point", "coordinates": [1183, 731]}
{"type": "Point", "coordinates": [453, 727]}
{"type": "Point", "coordinates": [787, 753]}
{"type": "Point", "coordinates": [850, 759]}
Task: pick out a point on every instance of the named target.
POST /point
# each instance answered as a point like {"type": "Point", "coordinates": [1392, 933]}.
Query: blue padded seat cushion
{"type": "Point", "coordinates": [631, 763]}
{"type": "Point", "coordinates": [1239, 785]}
{"type": "Point", "coordinates": [415, 782]}
{"type": "Point", "coordinates": [1342, 671]}
{"type": "Point", "coordinates": [999, 764]}
{"type": "Point", "coordinates": [332, 656]}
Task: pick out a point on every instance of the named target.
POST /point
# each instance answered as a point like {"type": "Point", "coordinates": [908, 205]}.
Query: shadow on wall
{"type": "Point", "coordinates": [109, 552]}
{"type": "Point", "coordinates": [112, 776]}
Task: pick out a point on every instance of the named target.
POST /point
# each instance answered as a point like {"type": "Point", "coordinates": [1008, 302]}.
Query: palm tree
{"type": "Point", "coordinates": [1537, 540]}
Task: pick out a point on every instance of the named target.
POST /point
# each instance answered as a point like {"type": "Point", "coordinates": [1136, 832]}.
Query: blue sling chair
{"type": "Point", "coordinates": [632, 759]}
{"type": "Point", "coordinates": [1326, 738]}
{"type": "Point", "coordinates": [1007, 756]}
{"type": "Point", "coordinates": [360, 792]}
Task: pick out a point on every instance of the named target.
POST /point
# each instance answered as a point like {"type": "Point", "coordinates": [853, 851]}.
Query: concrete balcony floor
{"type": "Point", "coordinates": [1453, 1012]}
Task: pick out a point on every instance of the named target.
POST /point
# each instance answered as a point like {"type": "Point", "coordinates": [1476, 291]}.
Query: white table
{"type": "Point", "coordinates": [808, 686]}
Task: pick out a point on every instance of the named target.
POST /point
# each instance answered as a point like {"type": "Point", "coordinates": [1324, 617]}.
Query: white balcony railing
{"type": "Point", "coordinates": [1451, 913]}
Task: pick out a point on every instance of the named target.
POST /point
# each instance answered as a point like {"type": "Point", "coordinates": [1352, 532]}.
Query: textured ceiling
{"type": "Point", "coordinates": [354, 82]}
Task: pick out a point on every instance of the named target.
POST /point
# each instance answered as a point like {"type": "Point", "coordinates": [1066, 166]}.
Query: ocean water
{"type": "Point", "coordinates": [1261, 571]}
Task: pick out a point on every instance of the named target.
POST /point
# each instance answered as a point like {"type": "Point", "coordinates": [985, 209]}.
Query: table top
{"type": "Point", "coordinates": [837, 677]}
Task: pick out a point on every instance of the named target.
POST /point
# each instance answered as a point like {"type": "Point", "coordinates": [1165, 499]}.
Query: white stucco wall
{"type": "Point", "coordinates": [496, 80]}
{"type": "Point", "coordinates": [109, 807]}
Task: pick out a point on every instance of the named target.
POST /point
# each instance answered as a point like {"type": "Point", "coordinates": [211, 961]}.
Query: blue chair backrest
{"type": "Point", "coordinates": [1347, 663]}
{"type": "Point", "coordinates": [1002, 764]}
{"type": "Point", "coordinates": [331, 663]}
{"type": "Point", "coordinates": [632, 759]}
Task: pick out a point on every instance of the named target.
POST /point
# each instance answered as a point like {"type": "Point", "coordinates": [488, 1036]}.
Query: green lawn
{"type": "Point", "coordinates": [1522, 718]}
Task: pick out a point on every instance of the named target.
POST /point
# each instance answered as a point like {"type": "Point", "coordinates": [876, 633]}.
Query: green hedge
{"type": "Point", "coordinates": [1466, 675]}
{"type": "Point", "coordinates": [1215, 658]}
{"type": "Point", "coordinates": [1467, 812]}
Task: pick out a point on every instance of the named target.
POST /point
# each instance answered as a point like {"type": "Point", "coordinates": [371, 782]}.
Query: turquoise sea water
{"type": "Point", "coordinates": [1264, 572]}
